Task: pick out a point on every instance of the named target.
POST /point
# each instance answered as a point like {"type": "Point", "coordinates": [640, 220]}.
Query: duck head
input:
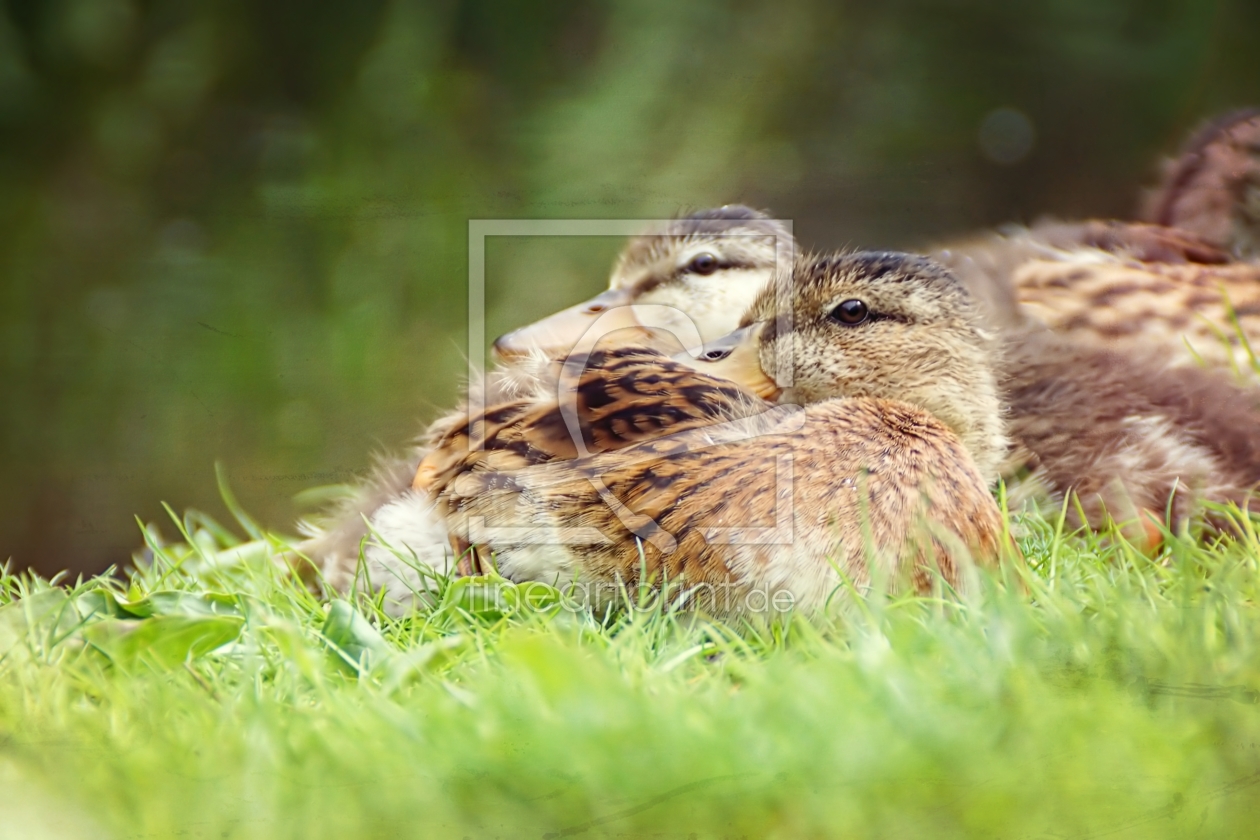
{"type": "Point", "coordinates": [706, 268]}
{"type": "Point", "coordinates": [871, 325]}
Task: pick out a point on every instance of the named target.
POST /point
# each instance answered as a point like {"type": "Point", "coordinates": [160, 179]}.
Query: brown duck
{"type": "Point", "coordinates": [639, 468]}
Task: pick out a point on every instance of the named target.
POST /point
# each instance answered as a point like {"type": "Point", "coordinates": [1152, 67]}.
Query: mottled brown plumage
{"type": "Point", "coordinates": [1212, 189]}
{"type": "Point", "coordinates": [1133, 436]}
{"type": "Point", "coordinates": [752, 503]}
{"type": "Point", "coordinates": [1120, 286]}
{"type": "Point", "coordinates": [989, 263]}
{"type": "Point", "coordinates": [1167, 283]}
{"type": "Point", "coordinates": [1182, 311]}
{"type": "Point", "coordinates": [588, 404]}
{"type": "Point", "coordinates": [660, 267]}
{"type": "Point", "coordinates": [612, 399]}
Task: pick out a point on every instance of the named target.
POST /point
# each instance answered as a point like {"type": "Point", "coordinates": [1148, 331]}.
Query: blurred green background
{"type": "Point", "coordinates": [238, 230]}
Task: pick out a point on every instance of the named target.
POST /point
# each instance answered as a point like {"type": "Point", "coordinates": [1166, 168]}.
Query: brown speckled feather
{"type": "Point", "coordinates": [656, 268]}
{"type": "Point", "coordinates": [1123, 304]}
{"type": "Point", "coordinates": [994, 266]}
{"type": "Point", "coordinates": [1212, 189]}
{"type": "Point", "coordinates": [611, 399]}
{"type": "Point", "coordinates": [876, 487]}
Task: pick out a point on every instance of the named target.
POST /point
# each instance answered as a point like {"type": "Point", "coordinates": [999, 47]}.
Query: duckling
{"type": "Point", "coordinates": [881, 471]}
{"type": "Point", "coordinates": [709, 265]}
{"type": "Point", "coordinates": [714, 261]}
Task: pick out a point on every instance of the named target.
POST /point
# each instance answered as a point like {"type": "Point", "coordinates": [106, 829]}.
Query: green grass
{"type": "Point", "coordinates": [1095, 692]}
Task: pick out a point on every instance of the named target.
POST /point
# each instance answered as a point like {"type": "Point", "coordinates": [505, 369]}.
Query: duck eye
{"type": "Point", "coordinates": [851, 313]}
{"type": "Point", "coordinates": [704, 263]}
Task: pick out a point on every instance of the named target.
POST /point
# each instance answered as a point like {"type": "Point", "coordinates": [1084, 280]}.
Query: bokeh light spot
{"type": "Point", "coordinates": [1006, 136]}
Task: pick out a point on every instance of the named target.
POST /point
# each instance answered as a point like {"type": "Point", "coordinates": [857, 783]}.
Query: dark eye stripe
{"type": "Point", "coordinates": [722, 265]}
{"type": "Point", "coordinates": [650, 282]}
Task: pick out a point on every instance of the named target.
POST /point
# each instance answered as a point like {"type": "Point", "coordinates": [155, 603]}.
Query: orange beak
{"type": "Point", "coordinates": [736, 357]}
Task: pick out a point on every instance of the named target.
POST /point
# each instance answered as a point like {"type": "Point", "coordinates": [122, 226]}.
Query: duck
{"type": "Point", "coordinates": [845, 435]}
{"type": "Point", "coordinates": [704, 266]}
{"type": "Point", "coordinates": [1183, 277]}
{"type": "Point", "coordinates": [712, 262]}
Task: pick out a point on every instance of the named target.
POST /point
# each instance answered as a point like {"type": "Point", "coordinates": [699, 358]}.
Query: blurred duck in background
{"type": "Point", "coordinates": [1212, 189]}
{"type": "Point", "coordinates": [1184, 279]}
{"type": "Point", "coordinates": [1129, 370]}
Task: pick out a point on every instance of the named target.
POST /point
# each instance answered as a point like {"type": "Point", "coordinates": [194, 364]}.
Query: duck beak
{"type": "Point", "coordinates": [735, 357]}
{"type": "Point", "coordinates": [560, 333]}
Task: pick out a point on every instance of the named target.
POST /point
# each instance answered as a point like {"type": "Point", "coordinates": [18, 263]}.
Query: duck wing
{"type": "Point", "coordinates": [1123, 304]}
{"type": "Point", "coordinates": [603, 402]}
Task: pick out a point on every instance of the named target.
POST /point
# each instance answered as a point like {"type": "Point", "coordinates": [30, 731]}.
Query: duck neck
{"type": "Point", "coordinates": [973, 411]}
